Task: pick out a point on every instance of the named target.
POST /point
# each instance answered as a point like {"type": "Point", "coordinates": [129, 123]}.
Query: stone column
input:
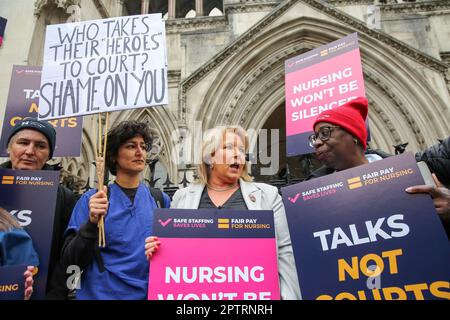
{"type": "Point", "coordinates": [171, 9]}
{"type": "Point", "coordinates": [145, 6]}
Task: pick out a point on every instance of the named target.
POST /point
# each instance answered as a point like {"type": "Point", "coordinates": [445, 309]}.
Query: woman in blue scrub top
{"type": "Point", "coordinates": [120, 270]}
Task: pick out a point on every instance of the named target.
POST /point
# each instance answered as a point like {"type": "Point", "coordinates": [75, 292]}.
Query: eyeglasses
{"type": "Point", "coordinates": [144, 146]}
{"type": "Point", "coordinates": [324, 134]}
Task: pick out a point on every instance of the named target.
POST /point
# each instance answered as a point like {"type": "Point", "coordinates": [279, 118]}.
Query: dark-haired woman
{"type": "Point", "coordinates": [16, 248]}
{"type": "Point", "coordinates": [120, 270]}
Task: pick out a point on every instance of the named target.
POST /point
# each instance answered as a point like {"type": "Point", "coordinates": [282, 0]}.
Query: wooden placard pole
{"type": "Point", "coordinates": [100, 171]}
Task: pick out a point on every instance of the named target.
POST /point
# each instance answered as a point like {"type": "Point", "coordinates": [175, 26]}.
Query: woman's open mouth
{"type": "Point", "coordinates": [235, 166]}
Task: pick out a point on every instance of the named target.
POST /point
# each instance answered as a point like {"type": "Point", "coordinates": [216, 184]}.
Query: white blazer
{"type": "Point", "coordinates": [264, 197]}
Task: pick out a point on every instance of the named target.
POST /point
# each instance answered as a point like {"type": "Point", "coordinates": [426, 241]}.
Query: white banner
{"type": "Point", "coordinates": [103, 65]}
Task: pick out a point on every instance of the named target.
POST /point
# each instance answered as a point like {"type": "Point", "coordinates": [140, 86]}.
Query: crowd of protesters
{"type": "Point", "coordinates": [120, 269]}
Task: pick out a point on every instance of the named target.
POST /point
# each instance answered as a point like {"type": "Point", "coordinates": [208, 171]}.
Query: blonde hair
{"type": "Point", "coordinates": [212, 142]}
{"type": "Point", "coordinates": [7, 222]}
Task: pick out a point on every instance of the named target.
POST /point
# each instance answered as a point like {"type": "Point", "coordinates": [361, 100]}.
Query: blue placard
{"type": "Point", "coordinates": [12, 282]}
{"type": "Point", "coordinates": [345, 225]}
{"type": "Point", "coordinates": [30, 196]}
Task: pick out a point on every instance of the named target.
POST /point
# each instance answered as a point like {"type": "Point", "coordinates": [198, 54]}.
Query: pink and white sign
{"type": "Point", "coordinates": [214, 255]}
{"type": "Point", "coordinates": [321, 79]}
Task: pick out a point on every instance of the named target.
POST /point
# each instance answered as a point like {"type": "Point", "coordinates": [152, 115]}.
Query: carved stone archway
{"type": "Point", "coordinates": [250, 84]}
{"type": "Point", "coordinates": [161, 125]}
{"type": "Point", "coordinates": [80, 169]}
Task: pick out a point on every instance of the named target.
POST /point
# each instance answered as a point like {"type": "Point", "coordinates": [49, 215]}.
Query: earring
{"type": "Point", "coordinates": [212, 166]}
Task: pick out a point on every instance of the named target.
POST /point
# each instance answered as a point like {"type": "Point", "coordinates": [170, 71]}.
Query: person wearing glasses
{"type": "Point", "coordinates": [340, 142]}
{"type": "Point", "coordinates": [340, 138]}
{"type": "Point", "coordinates": [120, 269]}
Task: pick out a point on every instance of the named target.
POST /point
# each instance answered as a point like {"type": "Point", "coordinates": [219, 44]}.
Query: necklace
{"type": "Point", "coordinates": [224, 189]}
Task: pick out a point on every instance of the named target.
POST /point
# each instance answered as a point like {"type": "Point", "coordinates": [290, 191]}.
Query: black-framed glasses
{"type": "Point", "coordinates": [324, 134]}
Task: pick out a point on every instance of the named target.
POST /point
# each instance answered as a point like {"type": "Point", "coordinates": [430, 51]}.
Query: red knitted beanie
{"type": "Point", "coordinates": [350, 116]}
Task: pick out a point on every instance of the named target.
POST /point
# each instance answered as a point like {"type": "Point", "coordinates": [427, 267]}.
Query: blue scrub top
{"type": "Point", "coordinates": [16, 248]}
{"type": "Point", "coordinates": [126, 227]}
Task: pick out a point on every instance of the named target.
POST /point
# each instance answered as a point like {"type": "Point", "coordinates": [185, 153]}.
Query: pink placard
{"type": "Point", "coordinates": [326, 85]}
{"type": "Point", "coordinates": [321, 79]}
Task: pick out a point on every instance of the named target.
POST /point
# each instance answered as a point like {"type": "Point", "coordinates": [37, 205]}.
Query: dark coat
{"type": "Point", "coordinates": [65, 202]}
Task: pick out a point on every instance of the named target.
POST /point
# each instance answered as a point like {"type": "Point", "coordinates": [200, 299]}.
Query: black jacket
{"type": "Point", "coordinates": [65, 202]}
{"type": "Point", "coordinates": [437, 158]}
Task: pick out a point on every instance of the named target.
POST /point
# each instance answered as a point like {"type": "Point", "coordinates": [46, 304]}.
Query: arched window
{"type": "Point", "coordinates": [132, 7]}
{"type": "Point", "coordinates": [71, 168]}
{"type": "Point", "coordinates": [81, 174]}
{"type": "Point", "coordinates": [191, 14]}
{"type": "Point", "coordinates": [215, 12]}
{"type": "Point", "coordinates": [213, 7]}
{"type": "Point", "coordinates": [183, 7]}
{"type": "Point", "coordinates": [175, 8]}
{"type": "Point", "coordinates": [159, 6]}
{"type": "Point", "coordinates": [49, 14]}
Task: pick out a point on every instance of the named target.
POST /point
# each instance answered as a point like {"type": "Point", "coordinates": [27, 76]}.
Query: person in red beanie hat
{"type": "Point", "coordinates": [339, 141]}
{"type": "Point", "coordinates": [340, 135]}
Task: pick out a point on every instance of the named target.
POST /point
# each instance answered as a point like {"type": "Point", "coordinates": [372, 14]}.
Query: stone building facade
{"type": "Point", "coordinates": [226, 66]}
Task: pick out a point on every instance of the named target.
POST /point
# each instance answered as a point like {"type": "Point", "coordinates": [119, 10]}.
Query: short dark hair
{"type": "Point", "coordinates": [121, 133]}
